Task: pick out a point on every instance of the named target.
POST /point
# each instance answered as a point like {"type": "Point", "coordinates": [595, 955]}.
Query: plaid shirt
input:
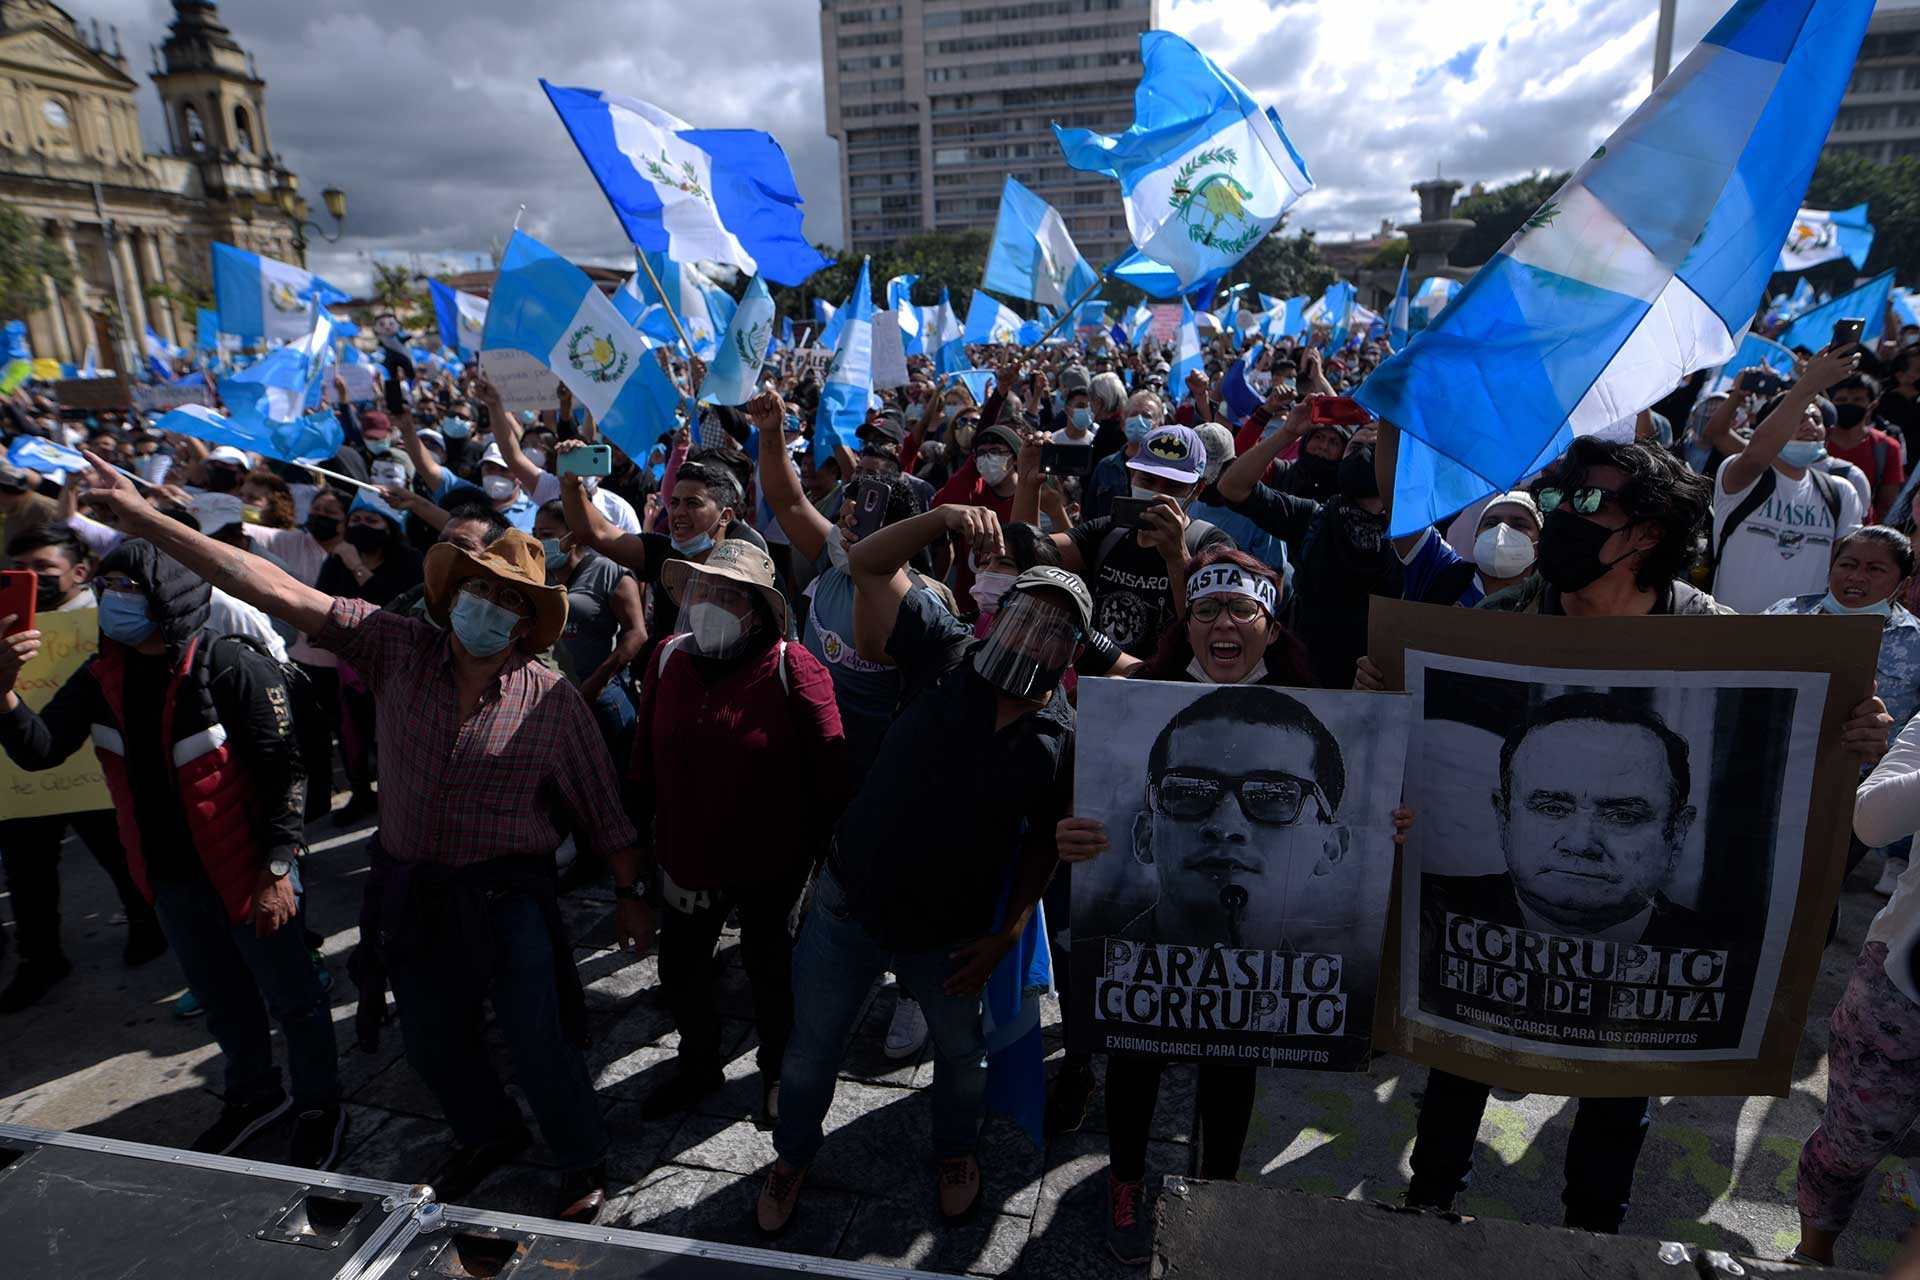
{"type": "Point", "coordinates": [456, 793]}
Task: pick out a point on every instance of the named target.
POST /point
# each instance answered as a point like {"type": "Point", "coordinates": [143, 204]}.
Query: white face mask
{"type": "Point", "coordinates": [389, 476]}
{"type": "Point", "coordinates": [537, 456]}
{"type": "Point", "coordinates": [994, 468]}
{"type": "Point", "coordinates": [1144, 493]}
{"type": "Point", "coordinates": [837, 548]}
{"type": "Point", "coordinates": [499, 488]}
{"type": "Point", "coordinates": [713, 629]}
{"type": "Point", "coordinates": [1503, 552]}
{"type": "Point", "coordinates": [989, 588]}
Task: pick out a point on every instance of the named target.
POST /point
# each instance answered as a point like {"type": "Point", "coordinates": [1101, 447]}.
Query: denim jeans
{"type": "Point", "coordinates": [1601, 1153]}
{"type": "Point", "coordinates": [834, 964]}
{"type": "Point", "coordinates": [230, 968]}
{"type": "Point", "coordinates": [30, 854]}
{"type": "Point", "coordinates": [441, 1024]}
{"type": "Point", "coordinates": [613, 712]}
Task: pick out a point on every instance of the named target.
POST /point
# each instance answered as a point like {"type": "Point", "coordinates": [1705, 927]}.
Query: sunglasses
{"type": "Point", "coordinates": [1270, 799]}
{"type": "Point", "coordinates": [1239, 608]}
{"type": "Point", "coordinates": [1584, 500]}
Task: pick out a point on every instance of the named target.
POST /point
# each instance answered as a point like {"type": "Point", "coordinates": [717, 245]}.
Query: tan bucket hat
{"type": "Point", "coordinates": [514, 558]}
{"type": "Point", "coordinates": [734, 560]}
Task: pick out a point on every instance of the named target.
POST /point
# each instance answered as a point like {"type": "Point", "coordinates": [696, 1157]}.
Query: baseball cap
{"type": "Point", "coordinates": [1172, 453]}
{"type": "Point", "coordinates": [885, 429]}
{"type": "Point", "coordinates": [215, 511]}
{"type": "Point", "coordinates": [1075, 378]}
{"type": "Point", "coordinates": [429, 436]}
{"type": "Point", "coordinates": [493, 455]}
{"type": "Point", "coordinates": [227, 455]}
{"type": "Point", "coordinates": [1048, 577]}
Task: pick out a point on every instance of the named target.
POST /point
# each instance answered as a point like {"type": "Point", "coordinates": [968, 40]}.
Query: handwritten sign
{"type": "Point", "coordinates": [162, 396]}
{"type": "Point", "coordinates": [523, 382]}
{"type": "Point", "coordinates": [67, 640]}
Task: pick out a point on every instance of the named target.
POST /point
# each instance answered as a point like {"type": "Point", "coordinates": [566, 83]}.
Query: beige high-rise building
{"type": "Point", "coordinates": [1880, 115]}
{"type": "Point", "coordinates": [73, 160]}
{"type": "Point", "coordinates": [934, 101]}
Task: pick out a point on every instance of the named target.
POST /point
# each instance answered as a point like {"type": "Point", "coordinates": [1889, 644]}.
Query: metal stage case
{"type": "Point", "coordinates": [74, 1207]}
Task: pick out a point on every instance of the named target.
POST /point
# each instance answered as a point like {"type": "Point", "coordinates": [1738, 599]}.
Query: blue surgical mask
{"type": "Point", "coordinates": [1883, 609]}
{"type": "Point", "coordinates": [1803, 453]}
{"type": "Point", "coordinates": [556, 554]}
{"type": "Point", "coordinates": [1081, 417]}
{"type": "Point", "coordinates": [484, 627]}
{"type": "Point", "coordinates": [696, 547]}
{"type": "Point", "coordinates": [123, 617]}
{"type": "Point", "coordinates": [455, 428]}
{"type": "Point", "coordinates": [1137, 429]}
{"type": "Point", "coordinates": [378, 444]}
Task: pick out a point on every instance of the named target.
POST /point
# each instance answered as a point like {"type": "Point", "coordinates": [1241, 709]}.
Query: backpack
{"type": "Point", "coordinates": [672, 641]}
{"type": "Point", "coordinates": [1762, 490]}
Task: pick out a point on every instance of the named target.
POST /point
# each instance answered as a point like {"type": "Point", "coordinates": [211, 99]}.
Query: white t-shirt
{"type": "Point", "coordinates": [230, 617]}
{"type": "Point", "coordinates": [1783, 545]}
{"type": "Point", "coordinates": [618, 511]}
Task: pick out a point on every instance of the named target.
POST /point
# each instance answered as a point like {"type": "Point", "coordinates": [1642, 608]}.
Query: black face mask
{"type": "Point", "coordinates": [1570, 551]}
{"type": "Point", "coordinates": [222, 480]}
{"type": "Point", "coordinates": [46, 591]}
{"type": "Point", "coordinates": [1356, 476]}
{"type": "Point", "coordinates": [1322, 475]}
{"type": "Point", "coordinates": [365, 538]}
{"type": "Point", "coordinates": [1849, 415]}
{"type": "Point", "coordinates": [323, 528]}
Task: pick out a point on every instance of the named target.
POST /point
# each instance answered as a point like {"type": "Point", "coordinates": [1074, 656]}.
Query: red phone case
{"type": "Point", "coordinates": [18, 589]}
{"type": "Point", "coordinates": [1337, 411]}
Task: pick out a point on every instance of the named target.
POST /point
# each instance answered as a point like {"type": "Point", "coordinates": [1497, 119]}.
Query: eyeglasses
{"type": "Point", "coordinates": [1239, 608]}
{"type": "Point", "coordinates": [1585, 500]}
{"type": "Point", "coordinates": [1270, 799]}
{"type": "Point", "coordinates": [116, 582]}
{"type": "Point", "coordinates": [507, 598]}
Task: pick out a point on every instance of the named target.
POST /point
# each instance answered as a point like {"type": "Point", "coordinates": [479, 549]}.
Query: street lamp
{"type": "Point", "coordinates": [295, 206]}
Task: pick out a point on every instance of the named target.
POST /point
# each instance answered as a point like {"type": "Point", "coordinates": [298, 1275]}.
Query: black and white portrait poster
{"type": "Point", "coordinates": [1607, 863]}
{"type": "Point", "coordinates": [1240, 912]}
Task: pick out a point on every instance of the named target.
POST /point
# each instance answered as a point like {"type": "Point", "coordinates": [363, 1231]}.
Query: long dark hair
{"type": "Point", "coordinates": [1286, 659]}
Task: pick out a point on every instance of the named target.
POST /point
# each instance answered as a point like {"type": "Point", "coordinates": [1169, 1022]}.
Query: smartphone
{"type": "Point", "coordinates": [587, 460]}
{"type": "Point", "coordinates": [869, 498]}
{"type": "Point", "coordinates": [1763, 382]}
{"type": "Point", "coordinates": [18, 590]}
{"type": "Point", "coordinates": [1847, 332]}
{"type": "Point", "coordinates": [1066, 459]}
{"type": "Point", "coordinates": [396, 398]}
{"type": "Point", "coordinates": [1126, 512]}
{"type": "Point", "coordinates": [1337, 411]}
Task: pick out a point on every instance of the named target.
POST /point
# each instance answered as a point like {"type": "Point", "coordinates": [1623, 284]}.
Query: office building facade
{"type": "Point", "coordinates": [1880, 115]}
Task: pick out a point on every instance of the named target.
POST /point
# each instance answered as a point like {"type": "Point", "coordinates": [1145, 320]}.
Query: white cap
{"type": "Point", "coordinates": [230, 456]}
{"type": "Point", "coordinates": [429, 436]}
{"type": "Point", "coordinates": [493, 455]}
{"type": "Point", "coordinates": [215, 511]}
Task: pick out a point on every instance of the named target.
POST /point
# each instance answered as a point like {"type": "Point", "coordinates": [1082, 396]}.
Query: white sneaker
{"type": "Point", "coordinates": [908, 1030]}
{"type": "Point", "coordinates": [1890, 877]}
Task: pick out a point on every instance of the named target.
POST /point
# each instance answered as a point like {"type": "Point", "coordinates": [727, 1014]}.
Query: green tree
{"type": "Point", "coordinates": [954, 260]}
{"type": "Point", "coordinates": [1498, 213]}
{"type": "Point", "coordinates": [28, 259]}
{"type": "Point", "coordinates": [1388, 256]}
{"type": "Point", "coordinates": [1285, 267]}
{"type": "Point", "coordinates": [1891, 193]}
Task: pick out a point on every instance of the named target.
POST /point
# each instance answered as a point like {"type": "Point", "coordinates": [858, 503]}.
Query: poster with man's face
{"type": "Point", "coordinates": [1240, 911]}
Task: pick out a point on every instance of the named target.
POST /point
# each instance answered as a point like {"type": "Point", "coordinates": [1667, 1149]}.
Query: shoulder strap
{"type": "Point", "coordinates": [1829, 494]}
{"type": "Point", "coordinates": [1113, 538]}
{"type": "Point", "coordinates": [1196, 532]}
{"type": "Point", "coordinates": [1879, 462]}
{"type": "Point", "coordinates": [1761, 491]}
{"type": "Point", "coordinates": [667, 647]}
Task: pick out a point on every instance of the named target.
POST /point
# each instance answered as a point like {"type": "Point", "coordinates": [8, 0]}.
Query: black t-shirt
{"type": "Point", "coordinates": [1132, 593]}
{"type": "Point", "coordinates": [399, 571]}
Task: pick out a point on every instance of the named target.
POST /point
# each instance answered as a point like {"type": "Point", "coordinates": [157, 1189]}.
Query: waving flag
{"type": "Point", "coordinates": [44, 456]}
{"type": "Point", "coordinates": [547, 307]}
{"type": "Point", "coordinates": [1827, 235]}
{"type": "Point", "coordinates": [1033, 256]}
{"type": "Point", "coordinates": [648, 319]}
{"type": "Point", "coordinates": [1904, 308]}
{"type": "Point", "coordinates": [1434, 294]}
{"type": "Point", "coordinates": [946, 340]}
{"type": "Point", "coordinates": [16, 357]}
{"type": "Point", "coordinates": [691, 297]}
{"type": "Point", "coordinates": [1186, 354]}
{"type": "Point", "coordinates": [1333, 309]}
{"type": "Point", "coordinates": [1647, 265]}
{"type": "Point", "coordinates": [207, 330]}
{"type": "Point", "coordinates": [990, 320]}
{"type": "Point", "coordinates": [1139, 325]}
{"type": "Point", "coordinates": [1814, 330]}
{"type": "Point", "coordinates": [287, 382]}
{"type": "Point", "coordinates": [978, 382]}
{"type": "Point", "coordinates": [462, 316]}
{"type": "Point", "coordinates": [735, 372]}
{"type": "Point", "coordinates": [260, 298]}
{"type": "Point", "coordinates": [1755, 352]}
{"type": "Point", "coordinates": [1204, 172]}
{"type": "Point", "coordinates": [900, 302]}
{"type": "Point", "coordinates": [1399, 315]}
{"type": "Point", "coordinates": [695, 195]}
{"type": "Point", "coordinates": [848, 385]}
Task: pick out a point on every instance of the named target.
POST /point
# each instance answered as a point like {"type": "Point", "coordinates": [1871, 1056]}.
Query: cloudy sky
{"type": "Point", "coordinates": [431, 117]}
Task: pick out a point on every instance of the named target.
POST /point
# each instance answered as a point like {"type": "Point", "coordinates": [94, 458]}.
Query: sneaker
{"type": "Point", "coordinates": [187, 1006]}
{"type": "Point", "coordinates": [317, 1138]}
{"type": "Point", "coordinates": [1129, 1234]}
{"type": "Point", "coordinates": [687, 1087]}
{"type": "Point", "coordinates": [1072, 1096]}
{"type": "Point", "coordinates": [908, 1030]}
{"type": "Point", "coordinates": [583, 1194]}
{"type": "Point", "coordinates": [1890, 877]}
{"type": "Point", "coordinates": [779, 1199]}
{"type": "Point", "coordinates": [33, 979]}
{"type": "Point", "coordinates": [143, 945]}
{"type": "Point", "coordinates": [240, 1121]}
{"type": "Point", "coordinates": [468, 1167]}
{"type": "Point", "coordinates": [957, 1179]}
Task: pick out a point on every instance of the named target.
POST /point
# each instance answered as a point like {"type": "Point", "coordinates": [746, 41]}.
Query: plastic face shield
{"type": "Point", "coordinates": [1031, 644]}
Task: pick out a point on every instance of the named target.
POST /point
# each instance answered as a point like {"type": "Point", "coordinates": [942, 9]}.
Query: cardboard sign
{"type": "Point", "coordinates": [812, 360]}
{"type": "Point", "coordinates": [889, 353]}
{"type": "Point", "coordinates": [523, 382]}
{"type": "Point", "coordinates": [1619, 879]}
{"type": "Point", "coordinates": [67, 639]}
{"type": "Point", "coordinates": [158, 397]}
{"type": "Point", "coordinates": [110, 392]}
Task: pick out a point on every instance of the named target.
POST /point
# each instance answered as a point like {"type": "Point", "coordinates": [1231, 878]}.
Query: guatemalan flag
{"type": "Point", "coordinates": [1400, 314]}
{"type": "Point", "coordinates": [735, 372]}
{"type": "Point", "coordinates": [695, 195]}
{"type": "Point", "coordinates": [990, 320]}
{"type": "Point", "coordinates": [1646, 266]}
{"type": "Point", "coordinates": [691, 296]}
{"type": "Point", "coordinates": [547, 307]}
{"type": "Point", "coordinates": [1186, 354]}
{"type": "Point", "coordinates": [1033, 256]}
{"type": "Point", "coordinates": [1204, 172]}
{"type": "Point", "coordinates": [946, 339]}
{"type": "Point", "coordinates": [1868, 302]}
{"type": "Point", "coordinates": [848, 385]}
{"type": "Point", "coordinates": [260, 298]}
{"type": "Point", "coordinates": [462, 316]}
{"type": "Point", "coordinates": [900, 302]}
{"type": "Point", "coordinates": [1755, 352]}
{"type": "Point", "coordinates": [1827, 235]}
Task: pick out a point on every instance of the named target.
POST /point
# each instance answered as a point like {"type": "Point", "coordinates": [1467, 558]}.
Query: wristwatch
{"type": "Point", "coordinates": [280, 868]}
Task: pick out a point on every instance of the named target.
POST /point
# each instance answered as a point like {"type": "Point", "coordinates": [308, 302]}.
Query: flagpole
{"type": "Point", "coordinates": [360, 484]}
{"type": "Point", "coordinates": [671, 314]}
{"type": "Point", "coordinates": [1098, 280]}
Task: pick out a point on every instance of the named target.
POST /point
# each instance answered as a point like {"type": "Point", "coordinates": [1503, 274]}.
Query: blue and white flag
{"type": "Point", "coordinates": [695, 195]}
{"type": "Point", "coordinates": [1204, 172]}
{"type": "Point", "coordinates": [946, 339]}
{"type": "Point", "coordinates": [1905, 309]}
{"type": "Point", "coordinates": [1755, 352]}
{"type": "Point", "coordinates": [1237, 389]}
{"type": "Point", "coordinates": [1434, 293]}
{"type": "Point", "coordinates": [1139, 325]}
{"type": "Point", "coordinates": [547, 307]}
{"type": "Point", "coordinates": [305, 439]}
{"type": "Point", "coordinates": [1399, 315]}
{"type": "Point", "coordinates": [1033, 256]}
{"type": "Point", "coordinates": [1646, 266]}
{"type": "Point", "coordinates": [1092, 315]}
{"type": "Point", "coordinates": [990, 320]}
{"type": "Point", "coordinates": [1186, 354]}
{"type": "Point", "coordinates": [1334, 309]}
{"type": "Point", "coordinates": [690, 295]}
{"type": "Point", "coordinates": [649, 319]}
{"type": "Point", "coordinates": [900, 302]}
{"type": "Point", "coordinates": [44, 456]}
{"type": "Point", "coordinates": [1784, 308]}
{"type": "Point", "coordinates": [978, 382]}
{"type": "Point", "coordinates": [260, 298]}
{"type": "Point", "coordinates": [848, 387]}
{"type": "Point", "coordinates": [288, 381]}
{"type": "Point", "coordinates": [207, 330]}
{"type": "Point", "coordinates": [1827, 235]}
{"type": "Point", "coordinates": [1814, 330]}
{"type": "Point", "coordinates": [462, 316]}
{"type": "Point", "coordinates": [734, 374]}
{"type": "Point", "coordinates": [786, 334]}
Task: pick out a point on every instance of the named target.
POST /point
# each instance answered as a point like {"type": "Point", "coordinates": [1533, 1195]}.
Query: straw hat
{"type": "Point", "coordinates": [513, 558]}
{"type": "Point", "coordinates": [734, 560]}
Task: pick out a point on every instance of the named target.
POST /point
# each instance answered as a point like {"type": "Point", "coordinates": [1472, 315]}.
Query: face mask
{"type": "Point", "coordinates": [123, 617]}
{"type": "Point", "coordinates": [1883, 609]}
{"type": "Point", "coordinates": [694, 546]}
{"type": "Point", "coordinates": [556, 554]}
{"type": "Point", "coordinates": [538, 457]}
{"type": "Point", "coordinates": [1261, 382]}
{"type": "Point", "coordinates": [1803, 453]}
{"type": "Point", "coordinates": [323, 528]}
{"type": "Point", "coordinates": [714, 630]}
{"type": "Point", "coordinates": [1503, 552]}
{"type": "Point", "coordinates": [994, 467]}
{"type": "Point", "coordinates": [1142, 492]}
{"type": "Point", "coordinates": [379, 445]}
{"type": "Point", "coordinates": [1363, 528]}
{"type": "Point", "coordinates": [1081, 417]}
{"type": "Point", "coordinates": [1137, 429]}
{"type": "Point", "coordinates": [222, 480]}
{"type": "Point", "coordinates": [499, 488]}
{"type": "Point", "coordinates": [915, 412]}
{"type": "Point", "coordinates": [1570, 550]}
{"type": "Point", "coordinates": [389, 476]}
{"type": "Point", "coordinates": [989, 589]}
{"type": "Point", "coordinates": [455, 428]}
{"type": "Point", "coordinates": [837, 548]}
{"type": "Point", "coordinates": [46, 591]}
{"type": "Point", "coordinates": [1849, 415]}
{"type": "Point", "coordinates": [365, 538]}
{"type": "Point", "coordinates": [1355, 475]}
{"type": "Point", "coordinates": [484, 628]}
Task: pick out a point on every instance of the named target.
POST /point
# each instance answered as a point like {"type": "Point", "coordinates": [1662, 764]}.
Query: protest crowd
{"type": "Point", "coordinates": [811, 672]}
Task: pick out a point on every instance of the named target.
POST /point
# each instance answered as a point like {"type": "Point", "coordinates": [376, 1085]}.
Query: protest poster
{"type": "Point", "coordinates": [158, 397]}
{"type": "Point", "coordinates": [810, 360]}
{"type": "Point", "coordinates": [523, 382]}
{"type": "Point", "coordinates": [67, 639]}
{"type": "Point", "coordinates": [889, 352]}
{"type": "Point", "coordinates": [109, 391]}
{"type": "Point", "coordinates": [1239, 914]}
{"type": "Point", "coordinates": [1619, 879]}
{"type": "Point", "coordinates": [360, 380]}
